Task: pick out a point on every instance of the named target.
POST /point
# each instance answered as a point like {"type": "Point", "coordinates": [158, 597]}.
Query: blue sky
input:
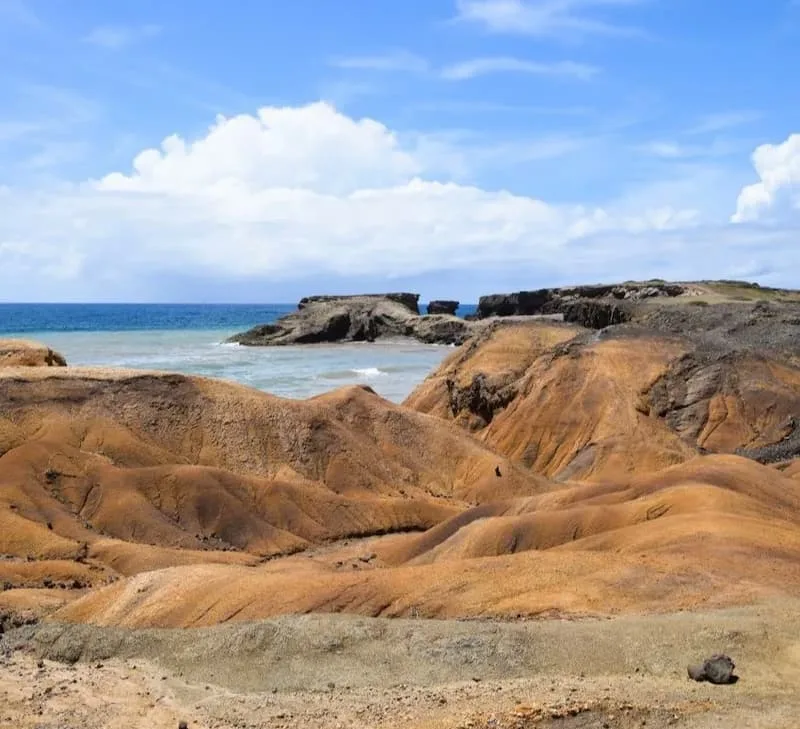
{"type": "Point", "coordinates": [452, 147]}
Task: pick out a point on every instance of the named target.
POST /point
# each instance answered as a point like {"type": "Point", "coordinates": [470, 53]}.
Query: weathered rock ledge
{"type": "Point", "coordinates": [410, 301]}
{"type": "Point", "coordinates": [563, 300]}
{"type": "Point", "coordinates": [368, 317]}
{"type": "Point", "coordinates": [361, 318]}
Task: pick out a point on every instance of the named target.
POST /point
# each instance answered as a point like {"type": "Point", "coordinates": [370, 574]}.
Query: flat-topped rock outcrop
{"type": "Point", "coordinates": [557, 300]}
{"type": "Point", "coordinates": [362, 318]}
{"type": "Point", "coordinates": [410, 301]}
{"type": "Point", "coordinates": [443, 307]}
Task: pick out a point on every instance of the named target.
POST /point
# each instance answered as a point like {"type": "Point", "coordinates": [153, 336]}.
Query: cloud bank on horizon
{"type": "Point", "coordinates": [547, 162]}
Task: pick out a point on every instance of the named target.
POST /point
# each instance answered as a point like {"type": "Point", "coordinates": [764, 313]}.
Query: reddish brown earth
{"type": "Point", "coordinates": [543, 471]}
{"type": "Point", "coordinates": [23, 353]}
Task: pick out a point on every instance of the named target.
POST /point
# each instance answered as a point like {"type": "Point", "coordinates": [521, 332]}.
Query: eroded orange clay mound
{"type": "Point", "coordinates": [592, 406]}
{"type": "Point", "coordinates": [25, 353]}
{"type": "Point", "coordinates": [717, 530]}
{"type": "Point", "coordinates": [724, 497]}
{"type": "Point", "coordinates": [553, 469]}
{"type": "Point", "coordinates": [136, 471]}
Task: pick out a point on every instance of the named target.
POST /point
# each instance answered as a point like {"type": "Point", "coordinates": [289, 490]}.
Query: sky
{"type": "Point", "coordinates": [263, 150]}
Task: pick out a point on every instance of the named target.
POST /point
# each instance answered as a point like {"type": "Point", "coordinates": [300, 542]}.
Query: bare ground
{"type": "Point", "coordinates": [340, 671]}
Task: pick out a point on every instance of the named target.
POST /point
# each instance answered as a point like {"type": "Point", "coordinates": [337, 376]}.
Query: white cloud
{"type": "Point", "coordinates": [482, 66]}
{"type": "Point", "coordinates": [311, 148]}
{"type": "Point", "coordinates": [778, 167]}
{"type": "Point", "coordinates": [559, 18]}
{"type": "Point", "coordinates": [724, 120]}
{"type": "Point", "coordinates": [117, 37]}
{"type": "Point", "coordinates": [678, 150]}
{"type": "Point", "coordinates": [394, 61]}
{"type": "Point", "coordinates": [292, 193]}
{"type": "Point", "coordinates": [404, 61]}
{"type": "Point", "coordinates": [469, 106]}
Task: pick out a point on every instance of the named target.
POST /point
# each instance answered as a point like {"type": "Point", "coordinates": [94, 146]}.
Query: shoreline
{"type": "Point", "coordinates": [296, 372]}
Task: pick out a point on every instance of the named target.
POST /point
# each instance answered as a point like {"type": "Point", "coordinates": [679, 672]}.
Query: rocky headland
{"type": "Point", "coordinates": [369, 317]}
{"type": "Point", "coordinates": [360, 318]}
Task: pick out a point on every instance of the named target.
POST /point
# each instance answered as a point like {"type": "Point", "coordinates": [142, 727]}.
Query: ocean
{"type": "Point", "coordinates": [190, 338]}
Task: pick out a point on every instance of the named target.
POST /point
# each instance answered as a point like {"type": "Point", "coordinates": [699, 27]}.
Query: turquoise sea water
{"type": "Point", "coordinates": [189, 339]}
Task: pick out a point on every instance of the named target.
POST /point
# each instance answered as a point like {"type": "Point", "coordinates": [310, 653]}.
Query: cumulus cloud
{"type": "Point", "coordinates": [778, 168]}
{"type": "Point", "coordinates": [312, 147]}
{"type": "Point", "coordinates": [311, 189]}
{"type": "Point", "coordinates": [291, 193]}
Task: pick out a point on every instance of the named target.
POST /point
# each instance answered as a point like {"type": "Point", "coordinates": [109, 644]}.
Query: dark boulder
{"type": "Point", "coordinates": [717, 670]}
{"type": "Point", "coordinates": [443, 307]}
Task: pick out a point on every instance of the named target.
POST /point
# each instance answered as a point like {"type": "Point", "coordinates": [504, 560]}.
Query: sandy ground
{"type": "Point", "coordinates": [339, 671]}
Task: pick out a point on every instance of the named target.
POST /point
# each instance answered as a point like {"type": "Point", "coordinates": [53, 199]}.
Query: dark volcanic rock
{"type": "Point", "coordinates": [522, 303]}
{"type": "Point", "coordinates": [741, 327]}
{"type": "Point", "coordinates": [556, 301]}
{"type": "Point", "coordinates": [443, 307]}
{"type": "Point", "coordinates": [481, 398]}
{"type": "Point", "coordinates": [356, 319]}
{"type": "Point", "coordinates": [410, 301]}
{"type": "Point", "coordinates": [594, 314]}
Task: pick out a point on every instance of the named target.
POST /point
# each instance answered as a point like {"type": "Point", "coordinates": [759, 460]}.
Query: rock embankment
{"type": "Point", "coordinates": [362, 318]}
{"type": "Point", "coordinates": [577, 301]}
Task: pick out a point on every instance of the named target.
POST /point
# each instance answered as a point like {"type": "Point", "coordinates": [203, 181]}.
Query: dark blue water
{"type": "Point", "coordinates": [30, 318]}
{"type": "Point", "coordinates": [26, 318]}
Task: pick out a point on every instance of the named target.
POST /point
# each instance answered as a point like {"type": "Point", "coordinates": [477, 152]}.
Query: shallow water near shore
{"type": "Point", "coordinates": [191, 339]}
{"type": "Point", "coordinates": [392, 369]}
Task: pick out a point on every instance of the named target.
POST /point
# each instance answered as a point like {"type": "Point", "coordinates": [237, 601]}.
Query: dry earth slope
{"type": "Point", "coordinates": [647, 466]}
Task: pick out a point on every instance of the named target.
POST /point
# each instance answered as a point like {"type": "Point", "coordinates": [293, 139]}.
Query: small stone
{"type": "Point", "coordinates": [183, 725]}
{"type": "Point", "coordinates": [696, 672]}
{"type": "Point", "coordinates": [719, 669]}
